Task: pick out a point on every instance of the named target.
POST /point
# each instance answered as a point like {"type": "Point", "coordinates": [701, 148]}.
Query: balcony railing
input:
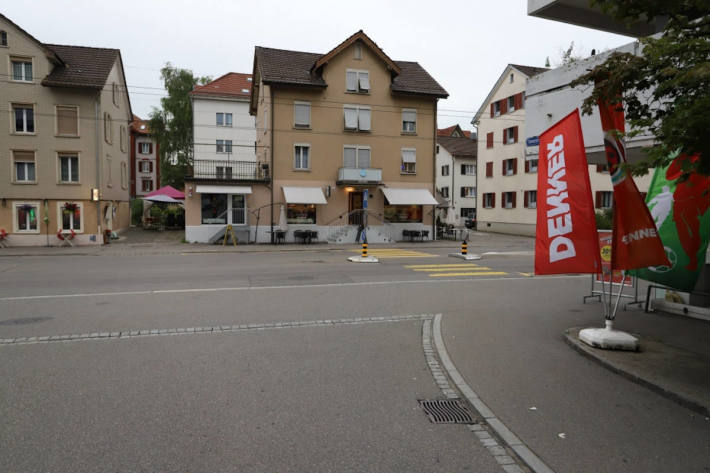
{"type": "Point", "coordinates": [359, 176]}
{"type": "Point", "coordinates": [212, 170]}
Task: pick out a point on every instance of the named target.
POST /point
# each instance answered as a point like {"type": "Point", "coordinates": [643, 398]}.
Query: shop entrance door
{"type": "Point", "coordinates": [355, 218]}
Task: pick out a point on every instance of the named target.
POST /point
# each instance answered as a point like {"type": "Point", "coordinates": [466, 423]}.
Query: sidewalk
{"type": "Point", "coordinates": [135, 240]}
{"type": "Point", "coordinates": [674, 359]}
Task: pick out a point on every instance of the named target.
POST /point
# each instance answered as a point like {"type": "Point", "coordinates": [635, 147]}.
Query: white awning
{"type": "Point", "coordinates": [304, 195]}
{"type": "Point", "coordinates": [223, 189]}
{"type": "Point", "coordinates": [409, 196]}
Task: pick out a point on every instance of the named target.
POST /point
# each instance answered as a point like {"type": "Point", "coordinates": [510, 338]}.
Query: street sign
{"type": "Point", "coordinates": [532, 141]}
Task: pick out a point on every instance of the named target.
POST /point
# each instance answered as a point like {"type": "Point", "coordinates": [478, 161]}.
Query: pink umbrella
{"type": "Point", "coordinates": [169, 191]}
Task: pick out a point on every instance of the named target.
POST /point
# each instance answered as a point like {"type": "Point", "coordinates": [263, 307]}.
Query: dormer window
{"type": "Point", "coordinates": [357, 81]}
{"type": "Point", "coordinates": [3, 38]}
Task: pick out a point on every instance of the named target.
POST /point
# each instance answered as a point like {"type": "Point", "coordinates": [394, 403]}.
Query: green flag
{"type": "Point", "coordinates": [680, 207]}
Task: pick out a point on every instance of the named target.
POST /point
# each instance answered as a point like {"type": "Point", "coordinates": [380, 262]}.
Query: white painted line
{"type": "Point", "coordinates": [531, 460]}
{"type": "Point", "coordinates": [271, 288]}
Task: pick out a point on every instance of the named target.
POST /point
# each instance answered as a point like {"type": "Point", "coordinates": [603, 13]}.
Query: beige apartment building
{"type": "Point", "coordinates": [63, 141]}
{"type": "Point", "coordinates": [333, 130]}
{"type": "Point", "coordinates": [507, 175]}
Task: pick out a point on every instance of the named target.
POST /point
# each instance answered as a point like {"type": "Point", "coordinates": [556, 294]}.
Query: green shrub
{"type": "Point", "coordinates": [136, 211]}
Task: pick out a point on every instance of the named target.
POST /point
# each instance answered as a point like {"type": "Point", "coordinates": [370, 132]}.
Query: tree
{"type": "Point", "coordinates": [171, 125]}
{"type": "Point", "coordinates": [666, 89]}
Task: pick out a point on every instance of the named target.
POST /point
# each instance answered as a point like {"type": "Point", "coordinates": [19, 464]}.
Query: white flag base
{"type": "Point", "coordinates": [363, 259]}
{"type": "Point", "coordinates": [609, 339]}
{"type": "Point", "coordinates": [467, 257]}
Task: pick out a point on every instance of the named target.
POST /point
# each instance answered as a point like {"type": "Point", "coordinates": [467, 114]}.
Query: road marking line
{"type": "Point", "coordinates": [454, 265]}
{"type": "Point", "coordinates": [271, 288]}
{"type": "Point", "coordinates": [484, 273]}
{"type": "Point", "coordinates": [527, 275]}
{"type": "Point", "coordinates": [122, 335]}
{"type": "Point", "coordinates": [531, 460]}
{"type": "Point", "coordinates": [396, 253]}
{"type": "Point", "coordinates": [462, 268]}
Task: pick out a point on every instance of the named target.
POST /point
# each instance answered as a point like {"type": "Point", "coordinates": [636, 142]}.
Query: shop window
{"type": "Point", "coordinates": [26, 218]}
{"type": "Point", "coordinates": [70, 216]}
{"type": "Point", "coordinates": [403, 213]}
{"type": "Point", "coordinates": [301, 214]}
{"type": "Point", "coordinates": [214, 209]}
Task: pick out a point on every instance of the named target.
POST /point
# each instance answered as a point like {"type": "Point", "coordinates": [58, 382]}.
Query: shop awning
{"type": "Point", "coordinates": [304, 195]}
{"type": "Point", "coordinates": [409, 196]}
{"type": "Point", "coordinates": [201, 189]}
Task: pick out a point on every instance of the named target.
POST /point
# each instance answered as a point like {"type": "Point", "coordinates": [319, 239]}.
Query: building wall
{"type": "Point", "coordinates": [206, 132]}
{"type": "Point", "coordinates": [327, 137]}
{"type": "Point", "coordinates": [454, 181]}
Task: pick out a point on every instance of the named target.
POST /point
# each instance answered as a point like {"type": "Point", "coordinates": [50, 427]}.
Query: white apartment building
{"type": "Point", "coordinates": [145, 161]}
{"type": "Point", "coordinates": [456, 178]}
{"type": "Point", "coordinates": [525, 102]}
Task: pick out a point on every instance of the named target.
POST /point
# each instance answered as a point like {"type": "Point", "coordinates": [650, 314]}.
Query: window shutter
{"type": "Point", "coordinates": [349, 159]}
{"type": "Point", "coordinates": [150, 148]}
{"type": "Point", "coordinates": [351, 118]}
{"type": "Point", "coordinates": [463, 191]}
{"type": "Point", "coordinates": [491, 112]}
{"type": "Point", "coordinates": [493, 199]}
{"type": "Point", "coordinates": [515, 166]}
{"type": "Point", "coordinates": [364, 81]}
{"type": "Point", "coordinates": [514, 195]}
{"type": "Point", "coordinates": [150, 166]}
{"type": "Point", "coordinates": [527, 166]}
{"type": "Point", "coordinates": [489, 139]}
{"type": "Point", "coordinates": [503, 106]}
{"type": "Point", "coordinates": [489, 169]}
{"type": "Point", "coordinates": [515, 134]}
{"type": "Point", "coordinates": [526, 200]}
{"type": "Point", "coordinates": [503, 169]}
{"type": "Point", "coordinates": [351, 80]}
{"type": "Point", "coordinates": [364, 119]}
{"type": "Point", "coordinates": [363, 158]}
{"type": "Point", "coordinates": [598, 199]}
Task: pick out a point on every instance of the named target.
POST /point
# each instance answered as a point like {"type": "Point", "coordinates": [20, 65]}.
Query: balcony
{"type": "Point", "coordinates": [354, 176]}
{"type": "Point", "coordinates": [228, 171]}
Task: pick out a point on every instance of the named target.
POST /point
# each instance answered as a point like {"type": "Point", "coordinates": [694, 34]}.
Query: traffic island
{"type": "Point", "coordinates": [675, 373]}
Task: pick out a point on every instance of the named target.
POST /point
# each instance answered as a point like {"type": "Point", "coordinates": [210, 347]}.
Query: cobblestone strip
{"type": "Point", "coordinates": [208, 330]}
{"type": "Point", "coordinates": [508, 450]}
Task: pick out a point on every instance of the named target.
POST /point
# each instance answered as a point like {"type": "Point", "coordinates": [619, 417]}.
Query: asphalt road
{"type": "Point", "coordinates": [314, 397]}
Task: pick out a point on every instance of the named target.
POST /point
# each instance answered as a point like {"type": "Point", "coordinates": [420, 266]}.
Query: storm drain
{"type": "Point", "coordinates": [447, 411]}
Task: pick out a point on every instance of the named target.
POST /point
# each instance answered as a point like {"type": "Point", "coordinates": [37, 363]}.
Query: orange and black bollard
{"type": "Point", "coordinates": [464, 248]}
{"type": "Point", "coordinates": [364, 250]}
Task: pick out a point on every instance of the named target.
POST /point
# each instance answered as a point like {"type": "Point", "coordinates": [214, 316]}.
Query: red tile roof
{"type": "Point", "coordinates": [138, 125]}
{"type": "Point", "coordinates": [232, 84]}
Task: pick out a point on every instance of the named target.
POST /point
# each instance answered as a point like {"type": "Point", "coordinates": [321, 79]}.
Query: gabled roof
{"type": "Point", "coordinates": [50, 54]}
{"type": "Point", "coordinates": [460, 147]}
{"type": "Point", "coordinates": [232, 84]}
{"type": "Point", "coordinates": [140, 126]}
{"type": "Point", "coordinates": [83, 66]}
{"type": "Point", "coordinates": [449, 131]}
{"type": "Point", "coordinates": [296, 68]}
{"type": "Point", "coordinates": [358, 36]}
{"type": "Point", "coordinates": [527, 71]}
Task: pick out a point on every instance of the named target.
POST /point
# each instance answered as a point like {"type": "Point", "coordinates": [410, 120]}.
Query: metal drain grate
{"type": "Point", "coordinates": [447, 411]}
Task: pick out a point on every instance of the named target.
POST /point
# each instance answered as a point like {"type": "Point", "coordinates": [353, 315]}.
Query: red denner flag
{"type": "Point", "coordinates": [635, 240]}
{"type": "Point", "coordinates": [566, 239]}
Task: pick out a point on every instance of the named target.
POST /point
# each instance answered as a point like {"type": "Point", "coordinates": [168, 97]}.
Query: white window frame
{"type": "Point", "coordinates": [469, 193]}
{"type": "Point", "coordinates": [359, 115]}
{"type": "Point", "coordinates": [407, 167]}
{"type": "Point", "coordinates": [226, 146]}
{"type": "Point", "coordinates": [298, 159]}
{"type": "Point", "coordinates": [72, 224]}
{"type": "Point", "coordinates": [507, 200]}
{"type": "Point", "coordinates": [488, 200]}
{"type": "Point", "coordinates": [68, 154]}
{"type": "Point", "coordinates": [144, 180]}
{"type": "Point", "coordinates": [24, 61]}
{"type": "Point", "coordinates": [231, 209]}
{"type": "Point", "coordinates": [510, 135]}
{"type": "Point", "coordinates": [144, 165]}
{"type": "Point", "coordinates": [509, 167]}
{"type": "Point", "coordinates": [531, 204]}
{"type": "Point", "coordinates": [361, 76]}
{"type": "Point", "coordinates": [511, 103]}
{"type": "Point", "coordinates": [357, 149]}
{"type": "Point", "coordinates": [532, 167]}
{"type": "Point", "coordinates": [445, 192]}
{"type": "Point", "coordinates": [607, 195]}
{"type": "Point", "coordinates": [496, 108]}
{"type": "Point", "coordinates": [23, 106]}
{"type": "Point", "coordinates": [15, 227]}
{"type": "Point", "coordinates": [143, 147]}
{"type": "Point", "coordinates": [14, 160]}
{"type": "Point", "coordinates": [296, 104]}
{"type": "Point", "coordinates": [445, 170]}
{"type": "Point", "coordinates": [405, 126]}
{"type": "Point", "coordinates": [469, 170]}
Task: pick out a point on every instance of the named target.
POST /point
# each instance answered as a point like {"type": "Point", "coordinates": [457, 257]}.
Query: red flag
{"type": "Point", "coordinates": [566, 239]}
{"type": "Point", "coordinates": [635, 241]}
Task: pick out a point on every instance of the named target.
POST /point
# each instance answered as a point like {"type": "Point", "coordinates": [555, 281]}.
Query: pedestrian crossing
{"type": "Point", "coordinates": [454, 270]}
{"type": "Point", "coordinates": [386, 253]}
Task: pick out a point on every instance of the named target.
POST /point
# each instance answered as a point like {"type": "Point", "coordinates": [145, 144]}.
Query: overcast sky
{"type": "Point", "coordinates": [464, 45]}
